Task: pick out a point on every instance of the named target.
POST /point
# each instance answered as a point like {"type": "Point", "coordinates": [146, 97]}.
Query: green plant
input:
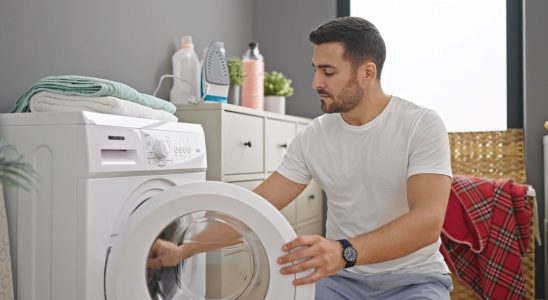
{"type": "Point", "coordinates": [13, 167]}
{"type": "Point", "coordinates": [235, 71]}
{"type": "Point", "coordinates": [276, 84]}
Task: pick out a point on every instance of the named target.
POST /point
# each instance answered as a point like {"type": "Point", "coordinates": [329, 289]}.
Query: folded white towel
{"type": "Point", "coordinates": [50, 102]}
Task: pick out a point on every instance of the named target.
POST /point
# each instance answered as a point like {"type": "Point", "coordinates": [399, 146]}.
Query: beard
{"type": "Point", "coordinates": [347, 99]}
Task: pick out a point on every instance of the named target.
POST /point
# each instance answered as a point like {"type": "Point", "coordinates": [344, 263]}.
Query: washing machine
{"type": "Point", "coordinates": [108, 189]}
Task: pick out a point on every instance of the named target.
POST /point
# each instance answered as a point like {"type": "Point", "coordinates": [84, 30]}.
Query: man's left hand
{"type": "Point", "coordinates": [314, 252]}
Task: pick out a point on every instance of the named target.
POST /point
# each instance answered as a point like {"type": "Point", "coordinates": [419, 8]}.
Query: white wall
{"type": "Point", "coordinates": [445, 56]}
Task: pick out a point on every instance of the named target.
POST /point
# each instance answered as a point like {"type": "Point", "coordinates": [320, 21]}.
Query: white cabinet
{"type": "Point", "coordinates": [244, 146]}
{"type": "Point", "coordinates": [309, 228]}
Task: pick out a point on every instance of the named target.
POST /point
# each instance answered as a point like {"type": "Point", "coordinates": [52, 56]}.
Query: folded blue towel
{"type": "Point", "coordinates": [88, 86]}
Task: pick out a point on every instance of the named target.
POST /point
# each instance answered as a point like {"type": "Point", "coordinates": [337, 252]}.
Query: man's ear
{"type": "Point", "coordinates": [370, 70]}
{"type": "Point", "coordinates": [367, 71]}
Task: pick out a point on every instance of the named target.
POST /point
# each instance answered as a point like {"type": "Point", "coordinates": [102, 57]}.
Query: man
{"type": "Point", "coordinates": [384, 164]}
{"type": "Point", "coordinates": [385, 167]}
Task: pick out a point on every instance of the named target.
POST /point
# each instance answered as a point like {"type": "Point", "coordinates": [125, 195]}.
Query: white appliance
{"type": "Point", "coordinates": [109, 187]}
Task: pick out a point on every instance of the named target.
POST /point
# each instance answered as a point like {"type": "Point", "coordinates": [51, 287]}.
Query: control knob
{"type": "Point", "coordinates": [161, 149]}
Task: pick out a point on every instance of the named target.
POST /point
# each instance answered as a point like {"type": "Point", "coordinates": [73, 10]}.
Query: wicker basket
{"type": "Point", "coordinates": [494, 154]}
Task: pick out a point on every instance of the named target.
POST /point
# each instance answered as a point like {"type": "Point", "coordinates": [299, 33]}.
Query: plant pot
{"type": "Point", "coordinates": [234, 94]}
{"type": "Point", "coordinates": [275, 104]}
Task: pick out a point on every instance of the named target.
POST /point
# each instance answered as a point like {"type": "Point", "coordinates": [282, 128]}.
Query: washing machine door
{"type": "Point", "coordinates": [206, 240]}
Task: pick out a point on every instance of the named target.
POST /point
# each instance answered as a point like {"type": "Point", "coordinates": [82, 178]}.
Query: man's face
{"type": "Point", "coordinates": [334, 79]}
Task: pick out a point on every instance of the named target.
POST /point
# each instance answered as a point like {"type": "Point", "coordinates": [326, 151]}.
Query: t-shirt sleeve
{"type": "Point", "coordinates": [293, 166]}
{"type": "Point", "coordinates": [429, 148]}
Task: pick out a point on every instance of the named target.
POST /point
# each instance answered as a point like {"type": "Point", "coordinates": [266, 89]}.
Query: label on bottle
{"type": "Point", "coordinates": [253, 84]}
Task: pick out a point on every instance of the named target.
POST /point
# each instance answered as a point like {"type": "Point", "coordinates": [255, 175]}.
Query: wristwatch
{"type": "Point", "coordinates": [349, 253]}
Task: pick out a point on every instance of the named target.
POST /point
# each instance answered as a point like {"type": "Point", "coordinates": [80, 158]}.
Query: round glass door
{"type": "Point", "coordinates": [207, 255]}
{"type": "Point", "coordinates": [206, 240]}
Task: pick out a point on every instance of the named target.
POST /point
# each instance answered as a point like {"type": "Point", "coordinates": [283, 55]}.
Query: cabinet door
{"type": "Point", "coordinates": [310, 228]}
{"type": "Point", "coordinates": [242, 144]}
{"type": "Point", "coordinates": [278, 136]}
{"type": "Point", "coordinates": [289, 212]}
{"type": "Point", "coordinates": [309, 203]}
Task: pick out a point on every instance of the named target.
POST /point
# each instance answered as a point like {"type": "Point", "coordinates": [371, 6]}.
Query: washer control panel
{"type": "Point", "coordinates": [174, 149]}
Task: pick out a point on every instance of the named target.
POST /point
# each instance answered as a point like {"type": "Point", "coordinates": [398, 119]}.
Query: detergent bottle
{"type": "Point", "coordinates": [186, 72]}
{"type": "Point", "coordinates": [253, 84]}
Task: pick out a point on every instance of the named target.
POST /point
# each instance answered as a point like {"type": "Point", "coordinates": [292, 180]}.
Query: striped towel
{"type": "Point", "coordinates": [73, 85]}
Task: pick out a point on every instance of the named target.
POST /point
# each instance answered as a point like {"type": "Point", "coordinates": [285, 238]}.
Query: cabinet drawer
{"type": "Point", "coordinates": [242, 144]}
{"type": "Point", "coordinates": [310, 228]}
{"type": "Point", "coordinates": [278, 136]}
{"type": "Point", "coordinates": [309, 203]}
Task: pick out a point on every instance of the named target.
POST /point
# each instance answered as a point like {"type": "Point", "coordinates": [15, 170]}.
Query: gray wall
{"type": "Point", "coordinates": [536, 109]}
{"type": "Point", "coordinates": [130, 41]}
{"type": "Point", "coordinates": [282, 29]}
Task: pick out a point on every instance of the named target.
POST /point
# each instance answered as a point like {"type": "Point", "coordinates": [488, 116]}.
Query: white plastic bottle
{"type": "Point", "coordinates": [186, 69]}
{"type": "Point", "coordinates": [253, 84]}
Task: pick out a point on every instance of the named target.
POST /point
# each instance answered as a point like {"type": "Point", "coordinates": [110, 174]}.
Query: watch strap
{"type": "Point", "coordinates": [346, 244]}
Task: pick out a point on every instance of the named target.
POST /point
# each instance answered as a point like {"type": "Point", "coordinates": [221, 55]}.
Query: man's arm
{"type": "Point", "coordinates": [279, 190]}
{"type": "Point", "coordinates": [427, 196]}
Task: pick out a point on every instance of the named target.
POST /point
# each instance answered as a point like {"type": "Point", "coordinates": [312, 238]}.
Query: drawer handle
{"type": "Point", "coordinates": [247, 144]}
{"type": "Point", "coordinates": [311, 197]}
{"type": "Point", "coordinates": [284, 145]}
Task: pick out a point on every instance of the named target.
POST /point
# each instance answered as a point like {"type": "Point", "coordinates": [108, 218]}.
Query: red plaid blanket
{"type": "Point", "coordinates": [485, 234]}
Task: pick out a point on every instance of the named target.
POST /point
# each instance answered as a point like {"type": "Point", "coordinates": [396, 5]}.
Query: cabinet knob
{"type": "Point", "coordinates": [284, 145]}
{"type": "Point", "coordinates": [247, 144]}
{"type": "Point", "coordinates": [311, 197]}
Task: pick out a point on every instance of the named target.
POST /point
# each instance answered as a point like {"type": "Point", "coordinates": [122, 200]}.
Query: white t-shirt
{"type": "Point", "coordinates": [364, 170]}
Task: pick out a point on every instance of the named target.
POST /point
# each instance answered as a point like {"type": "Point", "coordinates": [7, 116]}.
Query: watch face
{"type": "Point", "coordinates": [350, 254]}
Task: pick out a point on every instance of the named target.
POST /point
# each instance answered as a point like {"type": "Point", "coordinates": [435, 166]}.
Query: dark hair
{"type": "Point", "coordinates": [361, 40]}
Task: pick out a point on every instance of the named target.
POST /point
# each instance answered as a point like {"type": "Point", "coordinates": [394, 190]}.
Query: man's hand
{"type": "Point", "coordinates": [165, 254]}
{"type": "Point", "coordinates": [314, 252]}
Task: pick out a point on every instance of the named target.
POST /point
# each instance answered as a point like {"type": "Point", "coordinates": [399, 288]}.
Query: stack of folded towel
{"type": "Point", "coordinates": [79, 93]}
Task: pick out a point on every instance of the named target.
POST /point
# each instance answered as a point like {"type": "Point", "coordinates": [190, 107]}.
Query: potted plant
{"type": "Point", "coordinates": [236, 75]}
{"type": "Point", "coordinates": [276, 88]}
{"type": "Point", "coordinates": [13, 171]}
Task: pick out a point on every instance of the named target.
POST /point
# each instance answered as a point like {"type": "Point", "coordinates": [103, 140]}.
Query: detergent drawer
{"type": "Point", "coordinates": [242, 142]}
